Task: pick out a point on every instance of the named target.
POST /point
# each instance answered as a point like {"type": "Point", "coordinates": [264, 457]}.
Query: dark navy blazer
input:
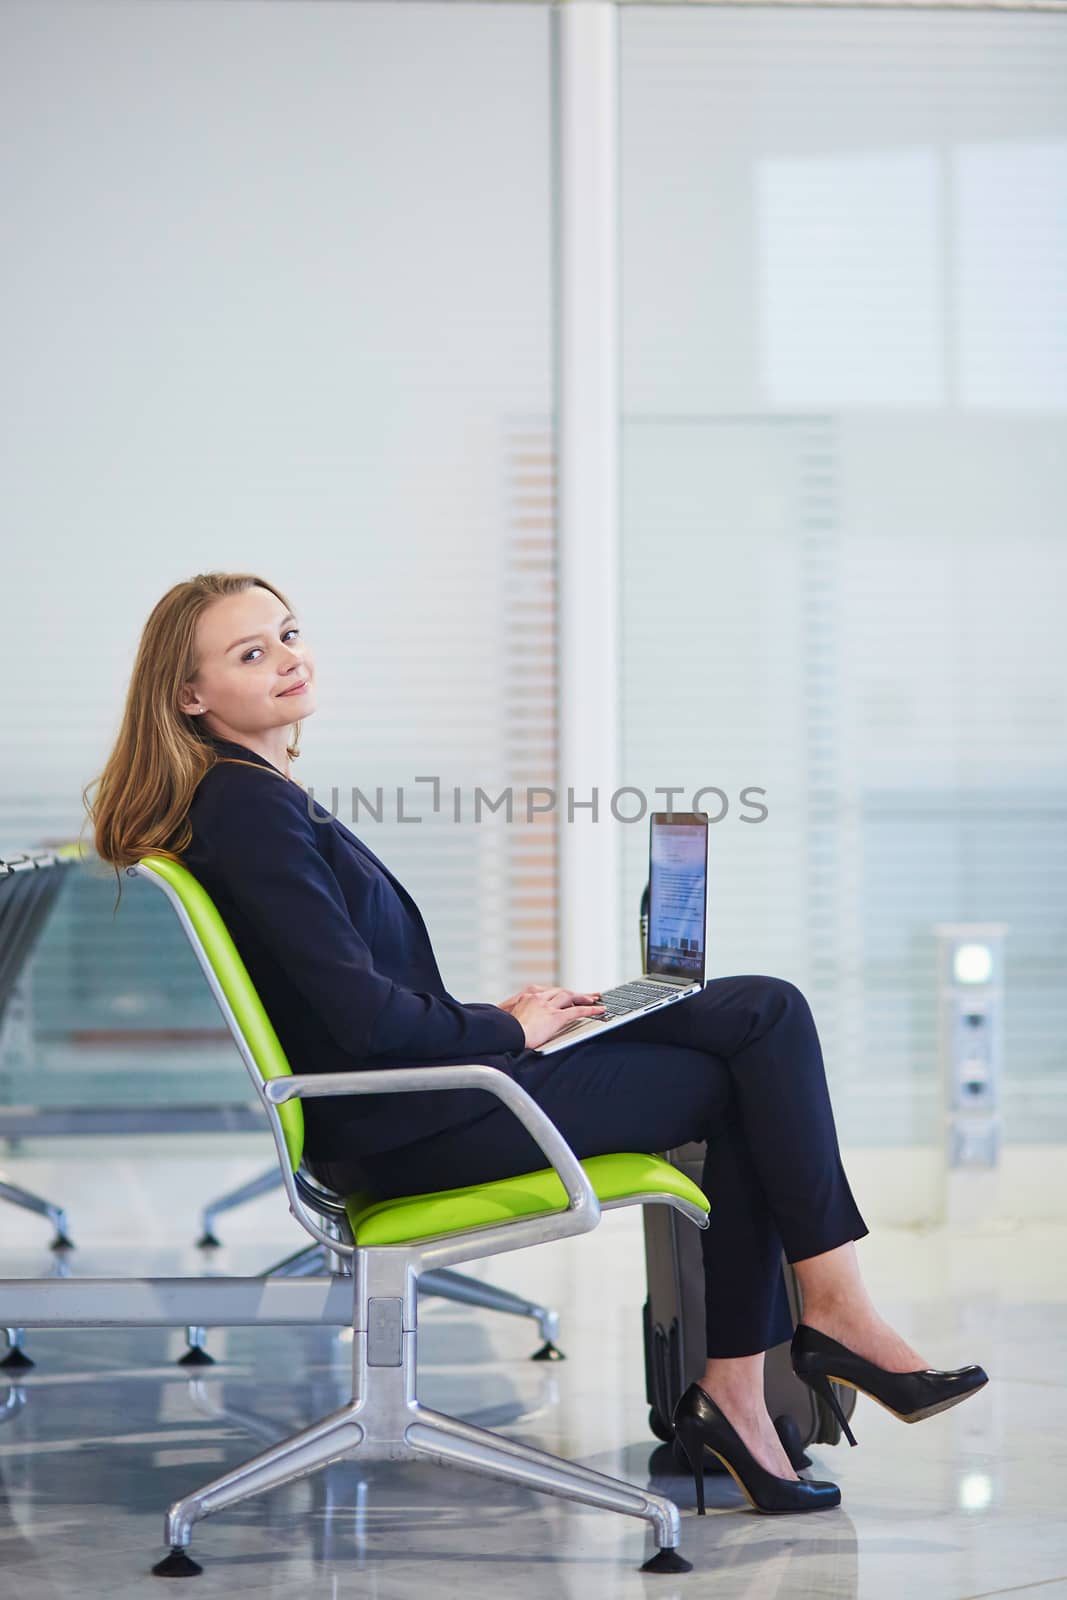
{"type": "Point", "coordinates": [340, 957]}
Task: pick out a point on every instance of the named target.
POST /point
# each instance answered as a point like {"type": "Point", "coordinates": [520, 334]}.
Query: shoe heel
{"type": "Point", "coordinates": [820, 1383]}
{"type": "Point", "coordinates": [693, 1445]}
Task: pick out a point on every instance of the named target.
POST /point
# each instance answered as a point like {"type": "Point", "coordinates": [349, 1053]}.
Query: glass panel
{"type": "Point", "coordinates": [844, 480]}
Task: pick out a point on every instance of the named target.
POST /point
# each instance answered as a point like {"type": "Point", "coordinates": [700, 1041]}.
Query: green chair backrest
{"type": "Point", "coordinates": [76, 850]}
{"type": "Point", "coordinates": [214, 946]}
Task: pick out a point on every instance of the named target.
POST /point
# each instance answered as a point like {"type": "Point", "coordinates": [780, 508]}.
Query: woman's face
{"type": "Point", "coordinates": [250, 654]}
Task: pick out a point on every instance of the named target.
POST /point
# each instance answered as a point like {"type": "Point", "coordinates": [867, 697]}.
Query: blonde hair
{"type": "Point", "coordinates": [159, 757]}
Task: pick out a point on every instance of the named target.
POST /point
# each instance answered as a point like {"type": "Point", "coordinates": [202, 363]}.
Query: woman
{"type": "Point", "coordinates": [202, 771]}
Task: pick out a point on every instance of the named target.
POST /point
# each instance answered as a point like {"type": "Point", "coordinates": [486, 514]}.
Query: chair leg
{"type": "Point", "coordinates": [295, 1457]}
{"type": "Point", "coordinates": [16, 1359]}
{"type": "Point", "coordinates": [15, 1195]}
{"type": "Point", "coordinates": [331, 1507]}
{"type": "Point", "coordinates": [452, 1285]}
{"type": "Point", "coordinates": [195, 1354]}
{"type": "Point", "coordinates": [263, 1184]}
{"type": "Point", "coordinates": [451, 1442]}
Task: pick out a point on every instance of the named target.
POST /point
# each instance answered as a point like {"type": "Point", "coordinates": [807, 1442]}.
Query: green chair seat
{"type": "Point", "coordinates": [422, 1216]}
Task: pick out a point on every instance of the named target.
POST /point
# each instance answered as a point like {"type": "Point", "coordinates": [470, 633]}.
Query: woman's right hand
{"type": "Point", "coordinates": [549, 1011]}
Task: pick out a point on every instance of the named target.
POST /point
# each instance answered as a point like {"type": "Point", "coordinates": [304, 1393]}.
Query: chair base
{"type": "Point", "coordinates": [429, 1435]}
{"type": "Point", "coordinates": [386, 1422]}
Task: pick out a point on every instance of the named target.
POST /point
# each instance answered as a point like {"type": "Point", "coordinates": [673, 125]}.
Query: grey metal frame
{"type": "Point", "coordinates": [448, 1285]}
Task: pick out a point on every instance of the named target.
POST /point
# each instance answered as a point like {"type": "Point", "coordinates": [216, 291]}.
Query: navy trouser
{"type": "Point", "coordinates": [739, 1065]}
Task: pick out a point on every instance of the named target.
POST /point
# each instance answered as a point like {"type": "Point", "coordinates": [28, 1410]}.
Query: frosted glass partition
{"type": "Point", "coordinates": [844, 269]}
{"type": "Point", "coordinates": [279, 297]}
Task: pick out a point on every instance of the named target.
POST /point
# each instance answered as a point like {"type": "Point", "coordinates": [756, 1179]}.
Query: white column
{"type": "Point", "coordinates": [588, 421]}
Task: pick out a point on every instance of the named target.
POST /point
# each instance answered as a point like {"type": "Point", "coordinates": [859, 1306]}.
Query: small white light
{"type": "Point", "coordinates": [130, 1005]}
{"type": "Point", "coordinates": [976, 1491]}
{"type": "Point", "coordinates": [973, 963]}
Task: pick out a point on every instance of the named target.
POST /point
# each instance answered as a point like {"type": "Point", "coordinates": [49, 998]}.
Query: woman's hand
{"type": "Point", "coordinates": [543, 988]}
{"type": "Point", "coordinates": [513, 999]}
{"type": "Point", "coordinates": [544, 1012]}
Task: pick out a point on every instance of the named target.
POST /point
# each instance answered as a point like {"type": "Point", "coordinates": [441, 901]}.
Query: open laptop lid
{"type": "Point", "coordinates": [678, 895]}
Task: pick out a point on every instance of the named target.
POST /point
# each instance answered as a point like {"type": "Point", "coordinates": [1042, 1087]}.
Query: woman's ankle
{"type": "Point", "coordinates": [737, 1384]}
{"type": "Point", "coordinates": [737, 1371]}
{"type": "Point", "coordinates": [838, 1308]}
{"type": "Point", "coordinates": [738, 1403]}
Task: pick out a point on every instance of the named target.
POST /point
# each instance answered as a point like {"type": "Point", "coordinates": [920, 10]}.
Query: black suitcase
{"type": "Point", "coordinates": [674, 1334]}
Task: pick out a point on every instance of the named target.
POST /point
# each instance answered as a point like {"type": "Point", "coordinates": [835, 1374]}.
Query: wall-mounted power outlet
{"type": "Point", "coordinates": [970, 959]}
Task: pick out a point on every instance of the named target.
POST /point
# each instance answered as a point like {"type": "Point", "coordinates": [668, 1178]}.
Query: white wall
{"type": "Point", "coordinates": [277, 297]}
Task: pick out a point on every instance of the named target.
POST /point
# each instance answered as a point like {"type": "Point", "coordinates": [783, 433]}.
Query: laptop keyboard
{"type": "Point", "coordinates": [630, 997]}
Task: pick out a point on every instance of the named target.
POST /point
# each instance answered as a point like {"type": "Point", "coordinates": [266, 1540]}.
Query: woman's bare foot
{"type": "Point", "coordinates": [868, 1334]}
{"type": "Point", "coordinates": [742, 1404]}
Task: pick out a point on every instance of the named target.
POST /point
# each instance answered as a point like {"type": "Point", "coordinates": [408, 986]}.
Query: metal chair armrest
{"type": "Point", "coordinates": [581, 1196]}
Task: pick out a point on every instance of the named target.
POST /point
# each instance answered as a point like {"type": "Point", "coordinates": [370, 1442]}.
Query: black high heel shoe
{"type": "Point", "coordinates": [908, 1395]}
{"type": "Point", "coordinates": [700, 1425]}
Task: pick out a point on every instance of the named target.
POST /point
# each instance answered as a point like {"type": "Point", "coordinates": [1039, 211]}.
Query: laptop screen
{"type": "Point", "coordinates": [677, 899]}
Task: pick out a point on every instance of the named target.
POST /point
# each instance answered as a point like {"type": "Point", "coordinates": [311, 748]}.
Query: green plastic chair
{"type": "Point", "coordinates": [387, 1244]}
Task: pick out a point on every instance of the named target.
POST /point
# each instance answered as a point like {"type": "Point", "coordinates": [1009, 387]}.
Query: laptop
{"type": "Point", "coordinates": [677, 919]}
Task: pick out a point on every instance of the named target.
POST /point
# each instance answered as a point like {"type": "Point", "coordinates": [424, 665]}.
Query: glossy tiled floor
{"type": "Point", "coordinates": [106, 1431]}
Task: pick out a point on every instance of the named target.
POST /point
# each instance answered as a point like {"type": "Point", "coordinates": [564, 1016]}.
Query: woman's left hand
{"type": "Point", "coordinates": [570, 997]}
